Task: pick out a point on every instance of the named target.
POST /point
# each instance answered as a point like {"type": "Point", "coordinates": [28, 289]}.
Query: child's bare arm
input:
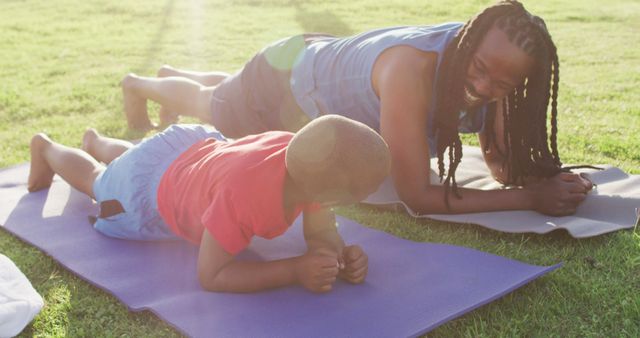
{"type": "Point", "coordinates": [218, 270]}
{"type": "Point", "coordinates": [321, 233]}
{"type": "Point", "coordinates": [356, 264]}
{"type": "Point", "coordinates": [320, 230]}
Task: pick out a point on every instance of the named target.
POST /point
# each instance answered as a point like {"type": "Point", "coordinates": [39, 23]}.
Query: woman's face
{"type": "Point", "coordinates": [497, 67]}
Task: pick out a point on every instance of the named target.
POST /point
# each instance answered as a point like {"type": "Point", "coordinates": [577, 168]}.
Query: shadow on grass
{"type": "Point", "coordinates": [154, 44]}
{"type": "Point", "coordinates": [321, 22]}
{"type": "Point", "coordinates": [465, 234]}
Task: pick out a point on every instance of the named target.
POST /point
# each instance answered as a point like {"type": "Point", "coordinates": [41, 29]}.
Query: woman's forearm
{"type": "Point", "coordinates": [432, 200]}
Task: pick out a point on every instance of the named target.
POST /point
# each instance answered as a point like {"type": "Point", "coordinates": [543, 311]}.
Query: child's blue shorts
{"type": "Point", "coordinates": [133, 179]}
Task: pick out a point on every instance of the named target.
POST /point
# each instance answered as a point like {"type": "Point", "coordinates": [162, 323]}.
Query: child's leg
{"type": "Point", "coordinates": [102, 148]}
{"type": "Point", "coordinates": [208, 79]}
{"type": "Point", "coordinates": [180, 95]}
{"type": "Point", "coordinates": [75, 166]}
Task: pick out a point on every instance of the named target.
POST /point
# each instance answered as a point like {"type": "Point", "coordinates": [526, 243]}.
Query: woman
{"type": "Point", "coordinates": [418, 87]}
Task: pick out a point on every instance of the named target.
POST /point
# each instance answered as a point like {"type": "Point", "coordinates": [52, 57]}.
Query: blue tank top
{"type": "Point", "coordinates": [333, 75]}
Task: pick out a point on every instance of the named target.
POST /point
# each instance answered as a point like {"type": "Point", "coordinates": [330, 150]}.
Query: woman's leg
{"type": "Point", "coordinates": [208, 79]}
{"type": "Point", "coordinates": [75, 166]}
{"type": "Point", "coordinates": [102, 148]}
{"type": "Point", "coordinates": [180, 95]}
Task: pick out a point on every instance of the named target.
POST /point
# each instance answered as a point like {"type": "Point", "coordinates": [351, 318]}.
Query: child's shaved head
{"type": "Point", "coordinates": [335, 159]}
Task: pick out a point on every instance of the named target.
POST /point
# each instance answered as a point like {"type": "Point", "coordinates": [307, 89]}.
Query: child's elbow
{"type": "Point", "coordinates": [209, 282]}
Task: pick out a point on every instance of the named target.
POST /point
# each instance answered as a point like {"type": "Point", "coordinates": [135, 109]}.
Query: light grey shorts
{"type": "Point", "coordinates": [258, 98]}
{"type": "Point", "coordinates": [133, 178]}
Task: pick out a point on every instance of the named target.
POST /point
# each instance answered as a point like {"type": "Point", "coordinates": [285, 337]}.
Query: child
{"type": "Point", "coordinates": [187, 182]}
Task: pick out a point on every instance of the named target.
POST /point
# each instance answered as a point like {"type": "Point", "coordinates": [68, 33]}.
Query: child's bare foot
{"type": "Point", "coordinates": [88, 140]}
{"type": "Point", "coordinates": [40, 174]}
{"type": "Point", "coordinates": [135, 107]}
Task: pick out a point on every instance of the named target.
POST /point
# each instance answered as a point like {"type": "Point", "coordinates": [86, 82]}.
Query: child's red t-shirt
{"type": "Point", "coordinates": [233, 189]}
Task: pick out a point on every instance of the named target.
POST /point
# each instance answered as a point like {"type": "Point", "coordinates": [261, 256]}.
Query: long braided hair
{"type": "Point", "coordinates": [530, 151]}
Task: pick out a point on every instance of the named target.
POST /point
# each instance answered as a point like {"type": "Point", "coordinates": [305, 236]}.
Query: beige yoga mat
{"type": "Point", "coordinates": [611, 206]}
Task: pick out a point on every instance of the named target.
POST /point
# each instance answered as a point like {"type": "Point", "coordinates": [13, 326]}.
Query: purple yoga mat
{"type": "Point", "coordinates": [411, 288]}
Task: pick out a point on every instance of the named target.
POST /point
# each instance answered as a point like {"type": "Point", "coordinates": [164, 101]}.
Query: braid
{"type": "Point", "coordinates": [508, 102]}
{"type": "Point", "coordinates": [554, 109]}
{"type": "Point", "coordinates": [529, 150]}
{"type": "Point", "coordinates": [450, 86]}
{"type": "Point", "coordinates": [527, 130]}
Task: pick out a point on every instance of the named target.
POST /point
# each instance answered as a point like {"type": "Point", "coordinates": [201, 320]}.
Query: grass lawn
{"type": "Point", "coordinates": [60, 66]}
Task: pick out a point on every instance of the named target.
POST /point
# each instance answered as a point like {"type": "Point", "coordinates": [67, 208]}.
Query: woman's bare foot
{"type": "Point", "coordinates": [135, 107]}
{"type": "Point", "coordinates": [40, 173]}
{"type": "Point", "coordinates": [167, 118]}
{"type": "Point", "coordinates": [88, 140]}
{"type": "Point", "coordinates": [166, 71]}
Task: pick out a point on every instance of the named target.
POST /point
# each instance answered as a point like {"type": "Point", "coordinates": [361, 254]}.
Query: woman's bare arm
{"type": "Point", "coordinates": [403, 78]}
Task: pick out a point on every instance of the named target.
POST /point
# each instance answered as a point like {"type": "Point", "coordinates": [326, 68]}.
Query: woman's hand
{"type": "Point", "coordinates": [559, 195]}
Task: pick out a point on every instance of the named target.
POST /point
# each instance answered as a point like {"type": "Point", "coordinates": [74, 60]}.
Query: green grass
{"type": "Point", "coordinates": [61, 62]}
